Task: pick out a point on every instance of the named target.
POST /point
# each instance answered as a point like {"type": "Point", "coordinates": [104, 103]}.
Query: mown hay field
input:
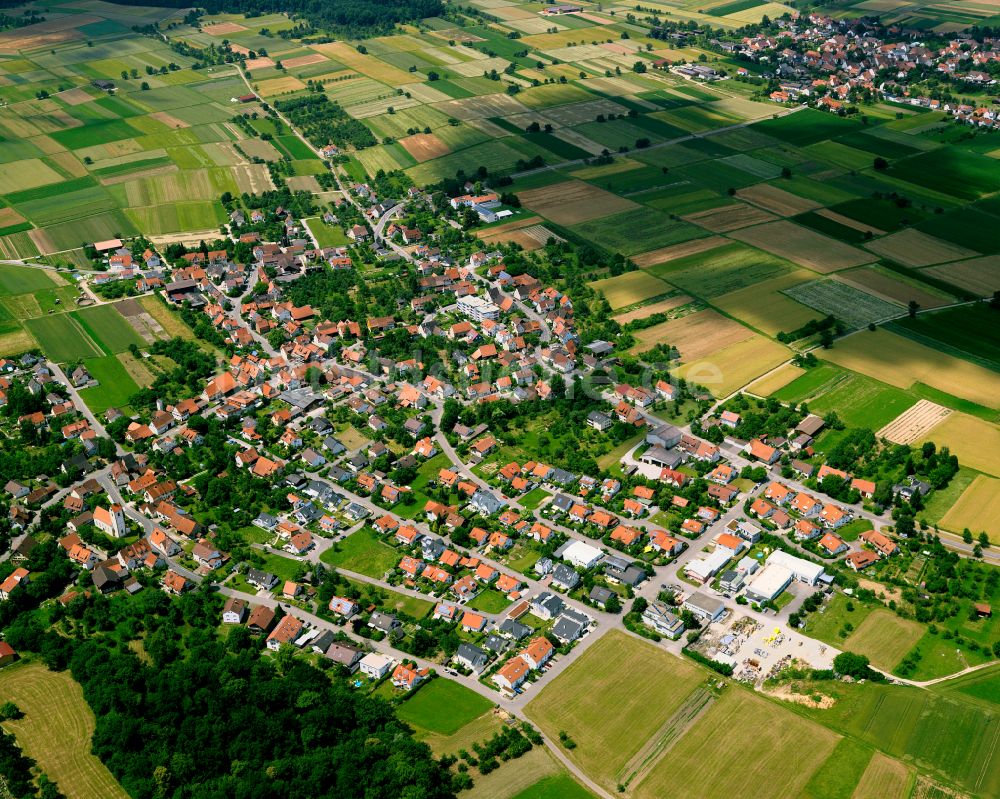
{"type": "Point", "coordinates": [773, 763]}
{"type": "Point", "coordinates": [910, 247]}
{"type": "Point", "coordinates": [595, 701]}
{"type": "Point", "coordinates": [885, 638]}
{"type": "Point", "coordinates": [884, 778]}
{"type": "Point", "coordinates": [56, 730]}
{"type": "Point", "coordinates": [629, 288]}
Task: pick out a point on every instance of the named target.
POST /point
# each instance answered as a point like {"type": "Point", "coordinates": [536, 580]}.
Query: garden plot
{"type": "Point", "coordinates": [804, 246]}
{"type": "Point", "coordinates": [850, 305]}
{"type": "Point", "coordinates": [915, 423]}
{"type": "Point", "coordinates": [912, 248]}
{"type": "Point", "coordinates": [574, 201]}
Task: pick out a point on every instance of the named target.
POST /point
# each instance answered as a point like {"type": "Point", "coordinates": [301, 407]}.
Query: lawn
{"type": "Point", "coordinates": [56, 730]}
{"type": "Point", "coordinates": [443, 707]}
{"type": "Point", "coordinates": [773, 763]}
{"type": "Point", "coordinates": [853, 529]}
{"type": "Point", "coordinates": [490, 601]}
{"type": "Point", "coordinates": [534, 498]}
{"type": "Point", "coordinates": [281, 567]}
{"type": "Point", "coordinates": [596, 702]}
{"type": "Point", "coordinates": [363, 552]}
{"type": "Point", "coordinates": [115, 387]}
{"type": "Point", "coordinates": [558, 786]}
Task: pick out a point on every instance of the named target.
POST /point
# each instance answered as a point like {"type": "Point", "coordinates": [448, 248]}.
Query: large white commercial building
{"type": "Point", "coordinates": [580, 554]}
{"type": "Point", "coordinates": [802, 570]}
{"type": "Point", "coordinates": [769, 584]}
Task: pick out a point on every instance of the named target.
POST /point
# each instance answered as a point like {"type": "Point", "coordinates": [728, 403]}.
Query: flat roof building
{"type": "Point", "coordinates": [769, 584]}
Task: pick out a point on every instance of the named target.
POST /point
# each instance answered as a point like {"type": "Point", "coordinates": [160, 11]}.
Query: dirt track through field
{"type": "Point", "coordinates": [914, 423]}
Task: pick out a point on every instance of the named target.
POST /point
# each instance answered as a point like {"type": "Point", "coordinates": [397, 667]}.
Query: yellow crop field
{"type": "Point", "coordinates": [901, 362]}
{"type": "Point", "coordinates": [630, 288]}
{"type": "Point", "coordinates": [975, 441]}
{"type": "Point", "coordinates": [884, 778]}
{"type": "Point", "coordinates": [978, 509]}
{"type": "Point", "coordinates": [728, 369]}
{"type": "Point", "coordinates": [369, 65]}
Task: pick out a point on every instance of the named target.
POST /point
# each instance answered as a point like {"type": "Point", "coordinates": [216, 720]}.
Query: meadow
{"type": "Point", "coordinates": [595, 702]}
{"type": "Point", "coordinates": [953, 740]}
{"type": "Point", "coordinates": [443, 707]}
{"type": "Point", "coordinates": [363, 552]}
{"type": "Point", "coordinates": [773, 762]}
{"type": "Point", "coordinates": [56, 730]}
{"type": "Point", "coordinates": [885, 638]}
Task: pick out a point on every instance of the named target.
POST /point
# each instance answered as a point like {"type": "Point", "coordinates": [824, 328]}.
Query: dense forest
{"type": "Point", "coordinates": [203, 718]}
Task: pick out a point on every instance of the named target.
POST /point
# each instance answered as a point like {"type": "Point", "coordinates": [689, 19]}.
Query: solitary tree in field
{"type": "Point", "coordinates": [912, 308]}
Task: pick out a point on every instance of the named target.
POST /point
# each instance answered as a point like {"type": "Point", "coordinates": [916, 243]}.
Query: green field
{"type": "Point", "coordinates": [362, 552]}
{"type": "Point", "coordinates": [963, 332]}
{"type": "Point", "coordinates": [115, 385]}
{"type": "Point", "coordinates": [983, 684]}
{"type": "Point", "coordinates": [558, 786]}
{"type": "Point", "coordinates": [443, 707]}
{"type": "Point", "coordinates": [639, 230]}
{"type": "Point", "coordinates": [774, 763]}
{"type": "Point", "coordinates": [109, 328]}
{"type": "Point", "coordinates": [721, 270]}
{"type": "Point", "coordinates": [957, 742]}
{"type": "Point", "coordinates": [596, 702]}
{"type": "Point", "coordinates": [62, 338]}
{"type": "Point", "coordinates": [22, 280]}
